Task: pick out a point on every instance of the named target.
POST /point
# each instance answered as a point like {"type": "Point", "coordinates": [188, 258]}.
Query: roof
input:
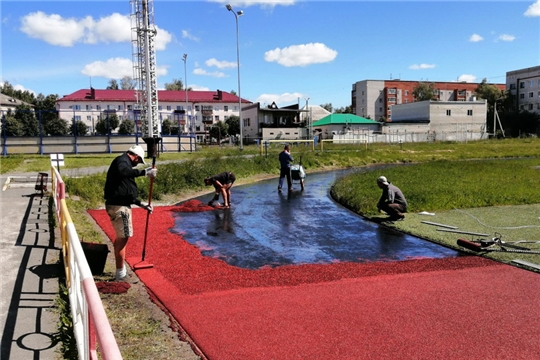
{"type": "Point", "coordinates": [163, 95]}
{"type": "Point", "coordinates": [9, 101]}
{"type": "Point", "coordinates": [344, 119]}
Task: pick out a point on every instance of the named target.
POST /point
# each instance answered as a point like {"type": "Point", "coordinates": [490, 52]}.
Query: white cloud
{"type": "Point", "coordinates": [220, 64]}
{"type": "Point", "coordinates": [506, 37]}
{"type": "Point", "coordinates": [115, 68]}
{"type": "Point", "coordinates": [58, 31]}
{"type": "Point", "coordinates": [467, 78]}
{"type": "Point", "coordinates": [301, 55]}
{"type": "Point", "coordinates": [187, 35]}
{"type": "Point", "coordinates": [533, 10]}
{"type": "Point", "coordinates": [285, 98]}
{"type": "Point", "coordinates": [475, 38]}
{"type": "Point", "coordinates": [199, 71]}
{"type": "Point", "coordinates": [261, 3]}
{"type": "Point", "coordinates": [421, 66]}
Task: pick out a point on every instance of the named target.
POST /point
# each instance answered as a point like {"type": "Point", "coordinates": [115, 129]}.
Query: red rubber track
{"type": "Point", "coordinates": [455, 308]}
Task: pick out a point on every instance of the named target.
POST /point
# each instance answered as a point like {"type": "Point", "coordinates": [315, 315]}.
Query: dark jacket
{"type": "Point", "coordinates": [120, 187]}
{"type": "Point", "coordinates": [285, 159]}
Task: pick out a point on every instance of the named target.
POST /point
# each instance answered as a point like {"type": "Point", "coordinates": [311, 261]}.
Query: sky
{"type": "Point", "coordinates": [291, 51]}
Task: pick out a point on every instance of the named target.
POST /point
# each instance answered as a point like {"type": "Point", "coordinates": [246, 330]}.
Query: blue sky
{"type": "Point", "coordinates": [290, 50]}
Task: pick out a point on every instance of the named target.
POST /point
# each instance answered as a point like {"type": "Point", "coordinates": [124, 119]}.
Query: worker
{"type": "Point", "coordinates": [223, 183]}
{"type": "Point", "coordinates": [392, 200]}
{"type": "Point", "coordinates": [120, 193]}
{"type": "Point", "coordinates": [285, 160]}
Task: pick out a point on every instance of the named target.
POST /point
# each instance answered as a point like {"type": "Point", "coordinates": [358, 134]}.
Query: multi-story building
{"type": "Point", "coordinates": [524, 88]}
{"type": "Point", "coordinates": [374, 98]}
{"type": "Point", "coordinates": [192, 112]}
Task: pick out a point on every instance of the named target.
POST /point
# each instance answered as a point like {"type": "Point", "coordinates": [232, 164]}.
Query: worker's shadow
{"type": "Point", "coordinates": [222, 222]}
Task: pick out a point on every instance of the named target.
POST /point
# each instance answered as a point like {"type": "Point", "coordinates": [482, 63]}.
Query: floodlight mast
{"type": "Point", "coordinates": [144, 71]}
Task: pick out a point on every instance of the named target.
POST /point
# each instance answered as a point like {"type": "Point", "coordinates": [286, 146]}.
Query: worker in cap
{"type": "Point", "coordinates": [392, 200]}
{"type": "Point", "coordinates": [120, 193]}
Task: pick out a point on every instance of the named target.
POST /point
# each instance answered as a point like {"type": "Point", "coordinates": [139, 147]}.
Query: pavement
{"type": "Point", "coordinates": [29, 271]}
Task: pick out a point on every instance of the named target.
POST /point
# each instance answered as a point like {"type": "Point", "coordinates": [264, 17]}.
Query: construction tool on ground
{"type": "Point", "coordinates": [145, 264]}
{"type": "Point", "coordinates": [496, 244]}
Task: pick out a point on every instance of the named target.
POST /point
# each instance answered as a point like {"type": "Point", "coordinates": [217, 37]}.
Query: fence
{"type": "Point", "coordinates": [89, 144]}
{"type": "Point", "coordinates": [90, 323]}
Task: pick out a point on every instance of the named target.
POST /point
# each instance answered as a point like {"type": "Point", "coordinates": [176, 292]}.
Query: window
{"type": "Point", "coordinates": [537, 106]}
{"type": "Point", "coordinates": [392, 100]}
{"type": "Point", "coordinates": [531, 94]}
{"type": "Point", "coordinates": [530, 106]}
{"type": "Point", "coordinates": [217, 117]}
{"type": "Point", "coordinates": [160, 107]}
{"type": "Point", "coordinates": [225, 108]}
{"type": "Point", "coordinates": [88, 107]}
{"type": "Point", "coordinates": [448, 112]}
{"type": "Point", "coordinates": [216, 108]}
{"type": "Point", "coordinates": [522, 96]}
{"type": "Point", "coordinates": [77, 118]}
{"type": "Point", "coordinates": [120, 117]}
{"type": "Point", "coordinates": [76, 107]}
{"type": "Point", "coordinates": [512, 86]}
{"type": "Point", "coordinates": [247, 122]}
{"type": "Point", "coordinates": [179, 108]}
{"type": "Point", "coordinates": [120, 107]}
{"type": "Point", "coordinates": [522, 85]}
{"type": "Point", "coordinates": [98, 107]}
{"type": "Point", "coordinates": [469, 112]}
{"type": "Point", "coordinates": [88, 118]}
{"type": "Point", "coordinates": [531, 83]}
{"type": "Point", "coordinates": [169, 108]}
{"type": "Point", "coordinates": [538, 93]}
{"type": "Point", "coordinates": [129, 107]}
{"type": "Point", "coordinates": [406, 92]}
{"type": "Point", "coordinates": [392, 91]}
{"type": "Point", "coordinates": [196, 107]}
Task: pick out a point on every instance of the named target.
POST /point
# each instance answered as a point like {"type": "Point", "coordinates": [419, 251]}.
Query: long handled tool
{"type": "Point", "coordinates": [144, 264]}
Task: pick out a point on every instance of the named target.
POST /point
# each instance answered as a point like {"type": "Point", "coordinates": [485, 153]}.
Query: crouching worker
{"type": "Point", "coordinates": [392, 200]}
{"type": "Point", "coordinates": [120, 193]}
{"type": "Point", "coordinates": [223, 183]}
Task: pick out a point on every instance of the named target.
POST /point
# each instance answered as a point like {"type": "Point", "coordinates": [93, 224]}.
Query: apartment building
{"type": "Point", "coordinates": [374, 98]}
{"type": "Point", "coordinates": [524, 88]}
{"type": "Point", "coordinates": [194, 112]}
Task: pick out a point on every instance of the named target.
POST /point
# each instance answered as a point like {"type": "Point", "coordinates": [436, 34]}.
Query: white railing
{"type": "Point", "coordinates": [90, 321]}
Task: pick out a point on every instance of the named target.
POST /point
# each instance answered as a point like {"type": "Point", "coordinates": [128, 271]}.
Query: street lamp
{"type": "Point", "coordinates": [236, 15]}
{"type": "Point", "coordinates": [184, 58]}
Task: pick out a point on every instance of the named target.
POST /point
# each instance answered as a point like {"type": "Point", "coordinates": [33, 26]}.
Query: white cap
{"type": "Point", "coordinates": [138, 150]}
{"type": "Point", "coordinates": [382, 180]}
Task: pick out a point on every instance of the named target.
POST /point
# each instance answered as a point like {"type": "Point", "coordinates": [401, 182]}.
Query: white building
{"type": "Point", "coordinates": [193, 112]}
{"type": "Point", "coordinates": [524, 88]}
{"type": "Point", "coordinates": [444, 120]}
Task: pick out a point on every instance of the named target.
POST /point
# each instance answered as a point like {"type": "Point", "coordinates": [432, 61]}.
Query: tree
{"type": "Point", "coordinates": [517, 124]}
{"type": "Point", "coordinates": [11, 126]}
{"type": "Point", "coordinates": [176, 84]}
{"type": "Point", "coordinates": [424, 91]}
{"type": "Point", "coordinates": [127, 83]}
{"type": "Point", "coordinates": [167, 127]}
{"type": "Point", "coordinates": [79, 128]}
{"type": "Point", "coordinates": [113, 85]}
{"type": "Point", "coordinates": [344, 110]}
{"type": "Point", "coordinates": [107, 123]}
{"type": "Point", "coordinates": [127, 127]}
{"type": "Point", "coordinates": [233, 125]}
{"type": "Point", "coordinates": [218, 131]}
{"type": "Point", "coordinates": [25, 114]}
{"type": "Point", "coordinates": [232, 92]}
{"type": "Point", "coordinates": [328, 107]}
{"type": "Point", "coordinates": [56, 126]}
{"type": "Point", "coordinates": [45, 108]}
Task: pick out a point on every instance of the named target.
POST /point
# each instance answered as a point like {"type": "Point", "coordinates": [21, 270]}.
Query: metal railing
{"type": "Point", "coordinates": [90, 323]}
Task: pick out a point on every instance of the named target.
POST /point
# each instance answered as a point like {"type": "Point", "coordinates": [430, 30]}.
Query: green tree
{"type": "Point", "coordinates": [56, 126]}
{"type": "Point", "coordinates": [127, 127]}
{"type": "Point", "coordinates": [233, 125]}
{"type": "Point", "coordinates": [343, 110]}
{"type": "Point", "coordinates": [25, 114]}
{"type": "Point", "coordinates": [127, 83]}
{"type": "Point", "coordinates": [424, 91]}
{"type": "Point", "coordinates": [113, 85]}
{"type": "Point", "coordinates": [218, 131]}
{"type": "Point", "coordinates": [11, 126]}
{"type": "Point", "coordinates": [328, 107]}
{"type": "Point", "coordinates": [106, 123]}
{"type": "Point", "coordinates": [45, 108]}
{"type": "Point", "coordinates": [79, 128]}
{"type": "Point", "coordinates": [167, 127]}
{"type": "Point", "coordinates": [176, 84]}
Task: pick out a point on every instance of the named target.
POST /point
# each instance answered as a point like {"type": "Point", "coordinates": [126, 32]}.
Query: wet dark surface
{"type": "Point", "coordinates": [267, 228]}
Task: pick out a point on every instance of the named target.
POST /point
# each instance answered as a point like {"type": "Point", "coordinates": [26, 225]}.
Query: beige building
{"type": "Point", "coordinates": [524, 87]}
{"type": "Point", "coordinates": [442, 120]}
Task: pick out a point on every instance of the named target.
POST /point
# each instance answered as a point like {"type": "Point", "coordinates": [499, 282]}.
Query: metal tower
{"type": "Point", "coordinates": [144, 70]}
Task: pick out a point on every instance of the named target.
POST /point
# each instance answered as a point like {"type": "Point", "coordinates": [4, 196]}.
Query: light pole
{"type": "Point", "coordinates": [184, 58]}
{"type": "Point", "coordinates": [236, 15]}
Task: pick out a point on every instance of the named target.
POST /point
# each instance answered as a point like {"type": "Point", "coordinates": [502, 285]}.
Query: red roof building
{"type": "Point", "coordinates": [193, 112]}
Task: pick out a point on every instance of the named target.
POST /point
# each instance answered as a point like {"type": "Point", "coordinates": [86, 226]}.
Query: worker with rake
{"type": "Point", "coordinates": [223, 183]}
{"type": "Point", "coordinates": [120, 193]}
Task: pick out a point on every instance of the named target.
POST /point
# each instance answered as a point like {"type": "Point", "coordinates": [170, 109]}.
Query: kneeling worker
{"type": "Point", "coordinates": [392, 200]}
{"type": "Point", "coordinates": [223, 183]}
